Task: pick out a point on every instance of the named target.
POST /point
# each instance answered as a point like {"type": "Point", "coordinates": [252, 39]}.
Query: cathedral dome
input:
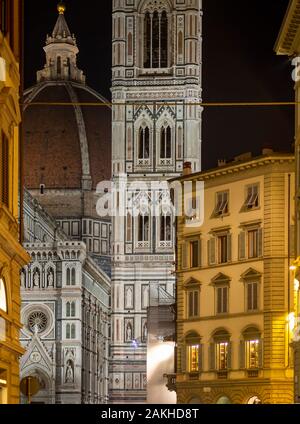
{"type": "Point", "coordinates": [67, 143]}
{"type": "Point", "coordinates": [66, 146]}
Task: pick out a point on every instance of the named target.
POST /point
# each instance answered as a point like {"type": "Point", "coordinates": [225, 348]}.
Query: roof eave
{"type": "Point", "coordinates": [288, 41]}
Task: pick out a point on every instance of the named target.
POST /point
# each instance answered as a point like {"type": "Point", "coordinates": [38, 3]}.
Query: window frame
{"type": "Point", "coordinates": [152, 44]}
{"type": "Point", "coordinates": [249, 196]}
{"type": "Point", "coordinates": [221, 208]}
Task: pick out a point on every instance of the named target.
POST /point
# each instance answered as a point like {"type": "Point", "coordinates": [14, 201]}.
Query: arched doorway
{"type": "Point", "coordinates": [223, 400]}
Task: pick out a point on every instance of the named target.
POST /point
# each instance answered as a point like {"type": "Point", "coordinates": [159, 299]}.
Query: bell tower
{"type": "Point", "coordinates": [156, 94]}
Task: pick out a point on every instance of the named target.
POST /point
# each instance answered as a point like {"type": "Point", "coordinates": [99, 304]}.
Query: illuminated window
{"type": "Point", "coordinates": [222, 355]}
{"type": "Point", "coordinates": [193, 358]}
{"type": "Point", "coordinates": [251, 349]}
{"type": "Point", "coordinates": [220, 351]}
{"type": "Point", "coordinates": [252, 353]}
{"type": "Point", "coordinates": [3, 298]}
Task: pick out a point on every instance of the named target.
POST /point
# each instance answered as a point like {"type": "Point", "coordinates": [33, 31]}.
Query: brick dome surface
{"type": "Point", "coordinates": [64, 144]}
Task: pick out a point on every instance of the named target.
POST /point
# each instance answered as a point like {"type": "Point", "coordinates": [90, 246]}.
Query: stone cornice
{"type": "Point", "coordinates": [240, 166]}
{"type": "Point", "coordinates": [288, 42]}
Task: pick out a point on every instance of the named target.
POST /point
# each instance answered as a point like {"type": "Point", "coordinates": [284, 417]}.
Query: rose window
{"type": "Point", "coordinates": [37, 321]}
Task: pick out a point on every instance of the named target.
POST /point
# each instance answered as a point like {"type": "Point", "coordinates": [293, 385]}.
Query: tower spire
{"type": "Point", "coordinates": [61, 53]}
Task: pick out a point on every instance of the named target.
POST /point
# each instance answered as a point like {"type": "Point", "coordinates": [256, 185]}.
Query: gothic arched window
{"type": "Point", "coordinates": [144, 143]}
{"type": "Point", "coordinates": [73, 331]}
{"type": "Point", "coordinates": [143, 228]}
{"type": "Point", "coordinates": [68, 277]}
{"type": "Point", "coordinates": [73, 309]}
{"type": "Point", "coordinates": [73, 279]}
{"type": "Point", "coordinates": [68, 309]}
{"type": "Point", "coordinates": [68, 331]}
{"type": "Point", "coordinates": [166, 143]}
{"type": "Point", "coordinates": [59, 65]}
{"type": "Point", "coordinates": [165, 228]}
{"type": "Point", "coordinates": [156, 40]}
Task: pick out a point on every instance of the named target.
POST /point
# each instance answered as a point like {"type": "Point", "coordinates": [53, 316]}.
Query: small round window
{"type": "Point", "coordinates": [3, 298]}
{"type": "Point", "coordinates": [37, 322]}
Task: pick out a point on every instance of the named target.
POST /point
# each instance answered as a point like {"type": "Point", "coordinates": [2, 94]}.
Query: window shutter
{"type": "Point", "coordinates": [242, 354]}
{"type": "Point", "coordinates": [183, 358]}
{"type": "Point", "coordinates": [196, 303]}
{"type": "Point", "coordinates": [211, 251]}
{"type": "Point", "coordinates": [261, 353]}
{"type": "Point", "coordinates": [242, 245]}
{"type": "Point", "coordinates": [260, 242]}
{"type": "Point", "coordinates": [201, 351]}
{"type": "Point", "coordinates": [229, 247]}
{"type": "Point", "coordinates": [199, 252]}
{"type": "Point", "coordinates": [212, 356]}
{"type": "Point", "coordinates": [184, 255]}
{"type": "Point", "coordinates": [190, 304]}
{"type": "Point", "coordinates": [229, 356]}
{"type": "Point", "coordinates": [226, 299]}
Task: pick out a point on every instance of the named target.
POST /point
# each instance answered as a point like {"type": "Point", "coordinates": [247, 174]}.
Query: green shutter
{"type": "Point", "coordinates": [260, 242]}
{"type": "Point", "coordinates": [242, 245]}
{"type": "Point", "coordinates": [212, 356]}
{"type": "Point", "coordinates": [242, 354]}
{"type": "Point", "coordinates": [229, 248]}
{"type": "Point", "coordinates": [183, 358]}
{"type": "Point", "coordinates": [211, 251]}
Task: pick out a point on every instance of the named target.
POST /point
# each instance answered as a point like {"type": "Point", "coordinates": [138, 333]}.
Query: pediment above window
{"type": "Point", "coordinates": [192, 283]}
{"type": "Point", "coordinates": [220, 279]}
{"type": "Point", "coordinates": [251, 273]}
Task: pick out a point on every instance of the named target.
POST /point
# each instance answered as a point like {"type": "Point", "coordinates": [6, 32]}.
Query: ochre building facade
{"type": "Point", "coordinates": [12, 255]}
{"type": "Point", "coordinates": [235, 309]}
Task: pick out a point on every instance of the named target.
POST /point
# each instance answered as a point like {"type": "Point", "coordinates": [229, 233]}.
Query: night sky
{"type": "Point", "coordinates": [239, 64]}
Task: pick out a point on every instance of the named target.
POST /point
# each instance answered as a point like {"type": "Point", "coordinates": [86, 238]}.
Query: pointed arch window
{"type": "Point", "coordinates": [3, 296]}
{"type": "Point", "coordinates": [156, 40]}
{"type": "Point", "coordinates": [166, 143]}
{"type": "Point", "coordinates": [59, 65]}
{"type": "Point", "coordinates": [73, 331]}
{"type": "Point", "coordinates": [144, 228]}
{"type": "Point", "coordinates": [165, 228]}
{"type": "Point", "coordinates": [73, 277]}
{"type": "Point", "coordinates": [144, 143]}
{"type": "Point", "coordinates": [68, 277]}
